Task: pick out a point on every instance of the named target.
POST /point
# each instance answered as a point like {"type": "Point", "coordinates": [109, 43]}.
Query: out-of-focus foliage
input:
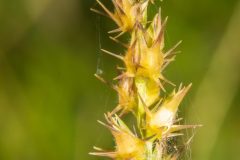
{"type": "Point", "coordinates": [50, 100]}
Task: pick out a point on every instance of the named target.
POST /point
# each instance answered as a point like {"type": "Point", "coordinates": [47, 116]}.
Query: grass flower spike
{"type": "Point", "coordinates": [141, 87]}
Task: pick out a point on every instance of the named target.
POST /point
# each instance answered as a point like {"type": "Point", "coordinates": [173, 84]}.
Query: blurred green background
{"type": "Point", "coordinates": [50, 100]}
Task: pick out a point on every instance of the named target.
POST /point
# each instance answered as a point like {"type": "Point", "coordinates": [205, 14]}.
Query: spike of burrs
{"type": "Point", "coordinates": [140, 86]}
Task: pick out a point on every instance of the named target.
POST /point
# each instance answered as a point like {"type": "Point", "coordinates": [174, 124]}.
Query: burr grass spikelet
{"type": "Point", "coordinates": [141, 86]}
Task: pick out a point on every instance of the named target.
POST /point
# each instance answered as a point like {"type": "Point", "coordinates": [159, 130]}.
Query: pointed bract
{"type": "Point", "coordinates": [128, 145]}
{"type": "Point", "coordinates": [165, 115]}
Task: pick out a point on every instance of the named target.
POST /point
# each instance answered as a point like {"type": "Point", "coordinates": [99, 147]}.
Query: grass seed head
{"type": "Point", "coordinates": [140, 86]}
